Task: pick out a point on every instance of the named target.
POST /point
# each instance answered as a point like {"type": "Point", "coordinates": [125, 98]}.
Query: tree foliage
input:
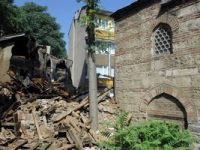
{"type": "Point", "coordinates": [43, 27]}
{"type": "Point", "coordinates": [33, 20]}
{"type": "Point", "coordinates": [149, 135]}
{"type": "Point", "coordinates": [11, 20]}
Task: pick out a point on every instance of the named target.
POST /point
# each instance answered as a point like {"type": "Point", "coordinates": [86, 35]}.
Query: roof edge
{"type": "Point", "coordinates": [133, 6]}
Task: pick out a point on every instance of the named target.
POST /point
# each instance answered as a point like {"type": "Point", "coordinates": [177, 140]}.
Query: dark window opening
{"type": "Point", "coordinates": [163, 39]}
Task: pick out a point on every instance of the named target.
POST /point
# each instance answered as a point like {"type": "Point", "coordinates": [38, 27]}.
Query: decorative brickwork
{"type": "Point", "coordinates": [175, 92]}
{"type": "Point", "coordinates": [166, 18]}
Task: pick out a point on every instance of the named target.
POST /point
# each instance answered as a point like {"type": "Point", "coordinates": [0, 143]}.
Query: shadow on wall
{"type": "Point", "coordinates": [167, 107]}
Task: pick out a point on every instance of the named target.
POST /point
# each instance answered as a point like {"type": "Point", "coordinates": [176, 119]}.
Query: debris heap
{"type": "Point", "coordinates": [42, 116]}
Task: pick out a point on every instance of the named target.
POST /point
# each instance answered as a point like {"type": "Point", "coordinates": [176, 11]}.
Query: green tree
{"type": "Point", "coordinates": [34, 20]}
{"type": "Point", "coordinates": [11, 18]}
{"type": "Point", "coordinates": [43, 27]}
{"type": "Point", "coordinates": [91, 8]}
{"type": "Point", "coordinates": [5, 13]}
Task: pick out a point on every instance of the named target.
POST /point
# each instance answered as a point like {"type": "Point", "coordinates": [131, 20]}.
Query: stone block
{"type": "Point", "coordinates": [195, 81]}
{"type": "Point", "coordinates": [182, 81]}
{"type": "Point", "coordinates": [185, 71]}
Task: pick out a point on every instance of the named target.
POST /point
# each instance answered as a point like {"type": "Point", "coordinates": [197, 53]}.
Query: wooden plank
{"type": "Point", "coordinates": [16, 144]}
{"type": "Point", "coordinates": [67, 147]}
{"type": "Point", "coordinates": [34, 146]}
{"type": "Point", "coordinates": [69, 138]}
{"type": "Point", "coordinates": [63, 115]}
{"type": "Point", "coordinates": [37, 125]}
{"type": "Point", "coordinates": [85, 120]}
{"type": "Point", "coordinates": [30, 146]}
{"type": "Point", "coordinates": [7, 124]}
{"type": "Point", "coordinates": [75, 138]}
{"type": "Point", "coordinates": [74, 123]}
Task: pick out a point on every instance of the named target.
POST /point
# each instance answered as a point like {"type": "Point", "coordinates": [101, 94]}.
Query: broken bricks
{"type": "Point", "coordinates": [45, 119]}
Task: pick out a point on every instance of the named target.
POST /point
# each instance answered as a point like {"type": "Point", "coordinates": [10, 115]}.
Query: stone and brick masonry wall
{"type": "Point", "coordinates": [141, 76]}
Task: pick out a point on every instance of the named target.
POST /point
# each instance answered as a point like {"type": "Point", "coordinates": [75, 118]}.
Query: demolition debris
{"type": "Point", "coordinates": [42, 116]}
{"type": "Point", "coordinates": [39, 107]}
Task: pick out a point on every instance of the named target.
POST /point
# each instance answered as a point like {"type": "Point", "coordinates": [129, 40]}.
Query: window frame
{"type": "Point", "coordinates": [168, 30]}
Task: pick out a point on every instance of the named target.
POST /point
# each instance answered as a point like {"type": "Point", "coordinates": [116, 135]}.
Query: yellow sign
{"type": "Point", "coordinates": [104, 35]}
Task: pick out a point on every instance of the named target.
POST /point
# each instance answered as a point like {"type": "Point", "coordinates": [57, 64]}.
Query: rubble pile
{"type": "Point", "coordinates": [43, 116]}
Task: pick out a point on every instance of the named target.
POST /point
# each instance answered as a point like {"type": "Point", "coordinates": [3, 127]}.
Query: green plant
{"type": "Point", "coordinates": [148, 135]}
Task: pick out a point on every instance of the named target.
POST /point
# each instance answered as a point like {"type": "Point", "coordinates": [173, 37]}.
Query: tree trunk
{"type": "Point", "coordinates": [93, 91]}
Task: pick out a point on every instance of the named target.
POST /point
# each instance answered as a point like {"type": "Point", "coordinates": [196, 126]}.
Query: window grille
{"type": "Point", "coordinates": [163, 39]}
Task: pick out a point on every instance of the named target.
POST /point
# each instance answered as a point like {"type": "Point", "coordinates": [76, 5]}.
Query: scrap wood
{"type": "Point", "coordinates": [84, 126]}
{"type": "Point", "coordinates": [94, 140]}
{"type": "Point", "coordinates": [75, 114]}
{"type": "Point", "coordinates": [37, 125]}
{"type": "Point", "coordinates": [69, 138]}
{"type": "Point", "coordinates": [52, 118]}
{"type": "Point", "coordinates": [74, 124]}
{"type": "Point", "coordinates": [84, 102]}
{"type": "Point", "coordinates": [18, 143]}
{"type": "Point", "coordinates": [6, 136]}
{"type": "Point", "coordinates": [46, 132]}
{"type": "Point", "coordinates": [93, 134]}
{"type": "Point", "coordinates": [63, 115]}
{"type": "Point", "coordinates": [102, 95]}
{"type": "Point", "coordinates": [62, 146]}
{"type": "Point", "coordinates": [40, 145]}
{"type": "Point", "coordinates": [72, 133]}
{"type": "Point", "coordinates": [32, 146]}
{"type": "Point", "coordinates": [67, 147]}
{"type": "Point", "coordinates": [7, 124]}
{"type": "Point", "coordinates": [85, 120]}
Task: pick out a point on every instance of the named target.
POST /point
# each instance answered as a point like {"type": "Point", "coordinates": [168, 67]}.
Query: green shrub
{"type": "Point", "coordinates": [148, 135]}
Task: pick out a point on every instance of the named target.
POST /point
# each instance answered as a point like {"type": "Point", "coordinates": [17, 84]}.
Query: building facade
{"type": "Point", "coordinates": [157, 64]}
{"type": "Point", "coordinates": [105, 48]}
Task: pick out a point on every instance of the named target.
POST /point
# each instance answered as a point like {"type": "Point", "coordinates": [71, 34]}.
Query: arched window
{"type": "Point", "coordinates": [163, 39]}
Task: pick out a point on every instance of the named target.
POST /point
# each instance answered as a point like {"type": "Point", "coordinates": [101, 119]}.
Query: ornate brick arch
{"type": "Point", "coordinates": [166, 19]}
{"type": "Point", "coordinates": [170, 90]}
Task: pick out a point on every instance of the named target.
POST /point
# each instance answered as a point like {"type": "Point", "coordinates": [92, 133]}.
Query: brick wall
{"type": "Point", "coordinates": [142, 75]}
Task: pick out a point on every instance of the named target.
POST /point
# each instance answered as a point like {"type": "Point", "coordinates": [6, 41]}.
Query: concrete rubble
{"type": "Point", "coordinates": [44, 116]}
